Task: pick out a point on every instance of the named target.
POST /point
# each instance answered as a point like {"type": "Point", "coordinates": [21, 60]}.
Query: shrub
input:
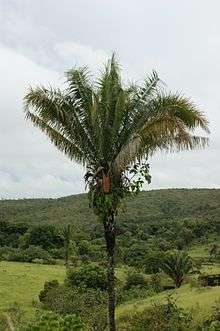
{"type": "Point", "coordinates": [49, 321]}
{"type": "Point", "coordinates": [135, 279]}
{"type": "Point", "coordinates": [152, 261]}
{"type": "Point", "coordinates": [10, 233]}
{"type": "Point", "coordinates": [89, 275]}
{"type": "Point", "coordinates": [155, 282]}
{"type": "Point", "coordinates": [57, 253]}
{"type": "Point", "coordinates": [5, 252]}
{"type": "Point", "coordinates": [46, 236]}
{"type": "Point", "coordinates": [89, 304]}
{"type": "Point", "coordinates": [12, 318]}
{"type": "Point", "coordinates": [31, 254]}
{"type": "Point", "coordinates": [213, 323]}
{"type": "Point", "coordinates": [134, 293]}
{"type": "Point", "coordinates": [47, 287]}
{"type": "Point", "coordinates": [167, 317]}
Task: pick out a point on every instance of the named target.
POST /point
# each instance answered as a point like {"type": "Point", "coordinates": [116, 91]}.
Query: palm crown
{"type": "Point", "coordinates": [105, 124]}
{"type": "Point", "coordinates": [177, 265]}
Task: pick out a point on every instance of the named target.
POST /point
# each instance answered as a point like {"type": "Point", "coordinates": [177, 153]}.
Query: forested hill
{"type": "Point", "coordinates": [148, 206]}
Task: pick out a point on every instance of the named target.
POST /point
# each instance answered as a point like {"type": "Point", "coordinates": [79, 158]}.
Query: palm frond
{"type": "Point", "coordinates": [62, 112]}
{"type": "Point", "coordinates": [59, 140]}
{"type": "Point", "coordinates": [128, 154]}
{"type": "Point", "coordinates": [150, 84]}
{"type": "Point", "coordinates": [170, 125]}
{"type": "Point", "coordinates": [79, 82]}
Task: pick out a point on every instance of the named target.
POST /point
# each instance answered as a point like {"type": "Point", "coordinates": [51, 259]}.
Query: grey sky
{"type": "Point", "coordinates": [39, 40]}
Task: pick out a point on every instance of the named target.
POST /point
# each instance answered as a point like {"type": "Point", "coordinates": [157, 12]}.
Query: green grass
{"type": "Point", "coordinates": [22, 282]}
{"type": "Point", "coordinates": [186, 297]}
{"type": "Point", "coordinates": [200, 251]}
{"type": "Point", "coordinates": [211, 269]}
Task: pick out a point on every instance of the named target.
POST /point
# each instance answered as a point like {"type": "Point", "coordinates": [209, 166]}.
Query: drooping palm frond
{"type": "Point", "coordinates": [166, 122]}
{"type": "Point", "coordinates": [60, 141]}
{"type": "Point", "coordinates": [171, 124]}
{"type": "Point", "coordinates": [59, 115]}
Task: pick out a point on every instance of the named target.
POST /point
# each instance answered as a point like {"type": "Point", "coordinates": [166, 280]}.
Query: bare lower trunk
{"type": "Point", "coordinates": [109, 228]}
{"type": "Point", "coordinates": [67, 254]}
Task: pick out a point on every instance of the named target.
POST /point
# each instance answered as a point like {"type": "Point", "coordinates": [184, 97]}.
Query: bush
{"type": "Point", "coordinates": [10, 233]}
{"type": "Point", "coordinates": [47, 287]}
{"type": "Point", "coordinates": [49, 321]}
{"type": "Point", "coordinates": [31, 254]}
{"type": "Point", "coordinates": [143, 255]}
{"type": "Point", "coordinates": [89, 275]}
{"type": "Point", "coordinates": [46, 236]}
{"type": "Point", "coordinates": [89, 304]}
{"type": "Point", "coordinates": [57, 253]}
{"type": "Point", "coordinates": [135, 279]}
{"type": "Point", "coordinates": [88, 251]}
{"type": "Point", "coordinates": [5, 252]}
{"type": "Point", "coordinates": [155, 283]}
{"type": "Point", "coordinates": [165, 317]}
{"type": "Point", "coordinates": [152, 261]}
{"type": "Point", "coordinates": [134, 293]}
{"type": "Point", "coordinates": [14, 316]}
{"type": "Point", "coordinates": [213, 323]}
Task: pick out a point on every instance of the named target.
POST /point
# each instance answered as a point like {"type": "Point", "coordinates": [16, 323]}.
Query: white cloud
{"type": "Point", "coordinates": [72, 52]}
{"type": "Point", "coordinates": [29, 165]}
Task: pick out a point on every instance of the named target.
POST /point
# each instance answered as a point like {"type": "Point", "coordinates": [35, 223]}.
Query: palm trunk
{"type": "Point", "coordinates": [109, 228]}
{"type": "Point", "coordinates": [67, 255]}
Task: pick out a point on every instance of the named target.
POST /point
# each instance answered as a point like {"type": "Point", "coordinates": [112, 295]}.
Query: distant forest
{"type": "Point", "coordinates": [148, 225]}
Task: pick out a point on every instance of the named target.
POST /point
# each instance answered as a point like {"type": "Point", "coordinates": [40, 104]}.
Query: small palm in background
{"type": "Point", "coordinates": [177, 265]}
{"type": "Point", "coordinates": [66, 232]}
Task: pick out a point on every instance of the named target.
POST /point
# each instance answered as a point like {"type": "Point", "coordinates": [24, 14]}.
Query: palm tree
{"type": "Point", "coordinates": [110, 128]}
{"type": "Point", "coordinates": [66, 232]}
{"type": "Point", "coordinates": [177, 265]}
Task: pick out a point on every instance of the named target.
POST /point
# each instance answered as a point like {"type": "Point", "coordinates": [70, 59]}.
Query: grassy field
{"type": "Point", "coordinates": [22, 282]}
{"type": "Point", "coordinates": [200, 251]}
{"type": "Point", "coordinates": [186, 297]}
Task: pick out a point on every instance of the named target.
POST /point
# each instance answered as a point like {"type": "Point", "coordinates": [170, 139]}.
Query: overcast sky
{"type": "Point", "coordinates": [39, 40]}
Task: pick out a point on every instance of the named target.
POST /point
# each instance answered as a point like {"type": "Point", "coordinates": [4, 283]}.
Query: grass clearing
{"type": "Point", "coordinates": [211, 269]}
{"type": "Point", "coordinates": [200, 251]}
{"type": "Point", "coordinates": [187, 297]}
{"type": "Point", "coordinates": [22, 282]}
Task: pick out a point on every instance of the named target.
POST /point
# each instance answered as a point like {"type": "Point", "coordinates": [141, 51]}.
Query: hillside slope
{"type": "Point", "coordinates": [147, 206]}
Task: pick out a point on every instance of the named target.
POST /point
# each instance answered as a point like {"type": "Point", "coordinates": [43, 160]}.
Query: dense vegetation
{"type": "Point", "coordinates": [148, 206]}
{"type": "Point", "coordinates": [157, 229]}
{"type": "Point", "coordinates": [154, 221]}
